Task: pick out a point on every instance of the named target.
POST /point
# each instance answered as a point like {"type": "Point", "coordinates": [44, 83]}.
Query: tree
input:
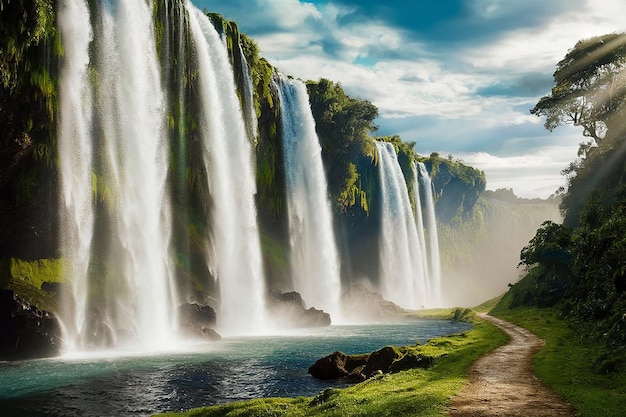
{"type": "Point", "coordinates": [590, 87]}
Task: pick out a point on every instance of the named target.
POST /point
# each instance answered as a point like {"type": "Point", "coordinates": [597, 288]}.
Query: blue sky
{"type": "Point", "coordinates": [457, 77]}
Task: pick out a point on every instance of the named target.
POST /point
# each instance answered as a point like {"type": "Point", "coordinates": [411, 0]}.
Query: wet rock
{"type": "Point", "coordinates": [197, 321]}
{"type": "Point", "coordinates": [289, 310]}
{"type": "Point", "coordinates": [381, 360]}
{"type": "Point", "coordinates": [338, 365]}
{"type": "Point", "coordinates": [25, 331]}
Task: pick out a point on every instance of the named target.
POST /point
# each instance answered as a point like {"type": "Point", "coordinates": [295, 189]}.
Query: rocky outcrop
{"type": "Point", "coordinates": [338, 365]}
{"type": "Point", "coordinates": [358, 368]}
{"type": "Point", "coordinates": [359, 304]}
{"type": "Point", "coordinates": [197, 321]}
{"type": "Point", "coordinates": [288, 310]}
{"type": "Point", "coordinates": [25, 331]}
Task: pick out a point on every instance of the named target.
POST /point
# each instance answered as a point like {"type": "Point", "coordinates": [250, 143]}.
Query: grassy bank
{"type": "Point", "coordinates": [416, 392]}
{"type": "Point", "coordinates": [566, 363]}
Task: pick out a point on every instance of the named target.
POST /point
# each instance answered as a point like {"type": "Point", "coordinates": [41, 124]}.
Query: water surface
{"type": "Point", "coordinates": [212, 373]}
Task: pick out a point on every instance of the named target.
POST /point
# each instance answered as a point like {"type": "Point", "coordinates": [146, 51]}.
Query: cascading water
{"type": "Point", "coordinates": [402, 275]}
{"type": "Point", "coordinates": [128, 295]}
{"type": "Point", "coordinates": [250, 116]}
{"type": "Point", "coordinates": [228, 157]}
{"type": "Point", "coordinates": [75, 151]}
{"type": "Point", "coordinates": [314, 257]}
{"type": "Point", "coordinates": [430, 224]}
{"type": "Point", "coordinates": [419, 223]}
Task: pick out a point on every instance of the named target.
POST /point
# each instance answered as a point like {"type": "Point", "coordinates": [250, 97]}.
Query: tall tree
{"type": "Point", "coordinates": [590, 88]}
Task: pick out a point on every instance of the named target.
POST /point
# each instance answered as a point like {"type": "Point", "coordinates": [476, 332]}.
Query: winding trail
{"type": "Point", "coordinates": [502, 382]}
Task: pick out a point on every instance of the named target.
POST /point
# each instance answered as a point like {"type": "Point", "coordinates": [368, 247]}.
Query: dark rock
{"type": "Point", "coordinates": [52, 287]}
{"type": "Point", "coordinates": [356, 375]}
{"type": "Point", "coordinates": [25, 331]}
{"type": "Point", "coordinates": [381, 360]}
{"type": "Point", "coordinates": [198, 321]}
{"type": "Point", "coordinates": [412, 361]}
{"type": "Point", "coordinates": [194, 314]}
{"type": "Point", "coordinates": [289, 310]}
{"type": "Point", "coordinates": [338, 365]}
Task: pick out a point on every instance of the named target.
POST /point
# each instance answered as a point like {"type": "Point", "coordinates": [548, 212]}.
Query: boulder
{"type": "Point", "coordinates": [25, 331]}
{"type": "Point", "coordinates": [197, 321]}
{"type": "Point", "coordinates": [289, 310]}
{"type": "Point", "coordinates": [338, 365]}
{"type": "Point", "coordinates": [381, 360]}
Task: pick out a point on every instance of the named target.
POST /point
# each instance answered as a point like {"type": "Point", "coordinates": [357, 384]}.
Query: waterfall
{"type": "Point", "coordinates": [250, 116]}
{"type": "Point", "coordinates": [314, 257]}
{"type": "Point", "coordinates": [419, 223]}
{"type": "Point", "coordinates": [430, 224]}
{"type": "Point", "coordinates": [402, 274]}
{"type": "Point", "coordinates": [128, 294]}
{"type": "Point", "coordinates": [75, 158]}
{"type": "Point", "coordinates": [236, 260]}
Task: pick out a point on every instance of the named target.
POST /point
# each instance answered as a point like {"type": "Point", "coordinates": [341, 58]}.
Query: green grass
{"type": "Point", "coordinates": [416, 392]}
{"type": "Point", "coordinates": [566, 363]}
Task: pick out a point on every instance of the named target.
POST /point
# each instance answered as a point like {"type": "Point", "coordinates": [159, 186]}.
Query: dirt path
{"type": "Point", "coordinates": [502, 382]}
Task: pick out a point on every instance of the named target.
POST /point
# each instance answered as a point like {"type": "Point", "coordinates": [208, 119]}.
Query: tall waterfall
{"type": "Point", "coordinates": [236, 256]}
{"type": "Point", "coordinates": [419, 223]}
{"type": "Point", "coordinates": [247, 99]}
{"type": "Point", "coordinates": [430, 223]}
{"type": "Point", "coordinates": [128, 294]}
{"type": "Point", "coordinates": [314, 256]}
{"type": "Point", "coordinates": [402, 274]}
{"type": "Point", "coordinates": [75, 151]}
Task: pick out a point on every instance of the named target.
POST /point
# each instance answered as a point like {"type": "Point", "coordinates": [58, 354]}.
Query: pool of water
{"type": "Point", "coordinates": [133, 384]}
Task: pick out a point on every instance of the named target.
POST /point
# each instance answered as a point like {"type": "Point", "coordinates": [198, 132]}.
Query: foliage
{"type": "Point", "coordinates": [584, 382]}
{"type": "Point", "coordinates": [581, 266]}
{"type": "Point", "coordinates": [343, 125]}
{"type": "Point", "coordinates": [457, 187]}
{"type": "Point", "coordinates": [590, 87]}
{"type": "Point", "coordinates": [416, 392]}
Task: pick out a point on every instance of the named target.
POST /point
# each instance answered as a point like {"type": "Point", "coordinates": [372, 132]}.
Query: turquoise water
{"type": "Point", "coordinates": [212, 373]}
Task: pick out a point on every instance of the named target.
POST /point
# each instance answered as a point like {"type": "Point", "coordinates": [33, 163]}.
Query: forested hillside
{"type": "Point", "coordinates": [580, 266]}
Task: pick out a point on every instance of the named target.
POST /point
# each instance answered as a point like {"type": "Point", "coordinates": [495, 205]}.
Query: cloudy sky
{"type": "Point", "coordinates": [457, 77]}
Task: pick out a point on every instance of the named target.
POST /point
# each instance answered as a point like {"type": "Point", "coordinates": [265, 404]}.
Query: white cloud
{"type": "Point", "coordinates": [444, 91]}
{"type": "Point", "coordinates": [529, 175]}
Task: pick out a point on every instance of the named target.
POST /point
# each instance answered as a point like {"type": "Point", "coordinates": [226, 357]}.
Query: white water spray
{"type": "Point", "coordinates": [419, 223]}
{"type": "Point", "coordinates": [130, 298]}
{"type": "Point", "coordinates": [402, 274]}
{"type": "Point", "coordinates": [314, 257]}
{"type": "Point", "coordinates": [75, 158]}
{"type": "Point", "coordinates": [228, 159]}
{"type": "Point", "coordinates": [430, 223]}
{"type": "Point", "coordinates": [248, 99]}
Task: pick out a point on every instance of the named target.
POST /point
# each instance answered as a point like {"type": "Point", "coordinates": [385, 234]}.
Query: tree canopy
{"type": "Point", "coordinates": [590, 87]}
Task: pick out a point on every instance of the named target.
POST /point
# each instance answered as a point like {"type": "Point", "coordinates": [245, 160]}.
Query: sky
{"type": "Point", "coordinates": [457, 77]}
